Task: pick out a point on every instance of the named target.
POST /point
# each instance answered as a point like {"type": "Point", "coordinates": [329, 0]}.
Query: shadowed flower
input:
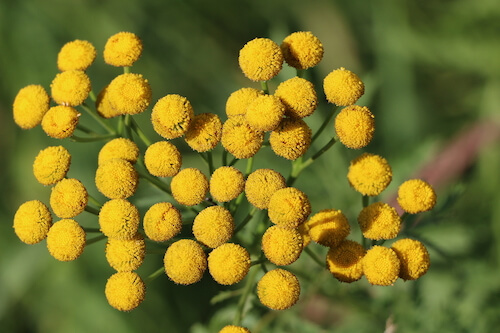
{"type": "Point", "coordinates": [116, 179]}
{"type": "Point", "coordinates": [234, 329]}
{"type": "Point", "coordinates": [229, 263]}
{"type": "Point", "coordinates": [162, 221]}
{"type": "Point", "coordinates": [126, 255]}
{"type": "Point", "coordinates": [226, 183]}
{"type": "Point", "coordinates": [302, 50]}
{"type": "Point", "coordinates": [345, 261]}
{"type": "Point", "coordinates": [122, 49]}
{"type": "Point", "coordinates": [68, 198]}
{"type": "Point", "coordinates": [260, 59]}
{"type": "Point", "coordinates": [265, 113]}
{"type": "Point", "coordinates": [261, 185]}
{"type": "Point", "coordinates": [60, 121]}
{"type": "Point", "coordinates": [240, 139]}
{"type": "Point", "coordinates": [51, 165]}
{"type": "Point", "coordinates": [171, 116]}
{"type": "Point", "coordinates": [213, 226]}
{"type": "Point", "coordinates": [189, 187]}
{"type": "Point", "coordinates": [299, 97]}
{"type": "Point", "coordinates": [128, 94]}
{"type": "Point", "coordinates": [123, 148]}
{"type": "Point", "coordinates": [289, 207]}
{"type": "Point", "coordinates": [291, 139]}
{"type": "Point", "coordinates": [414, 258]}
{"type": "Point", "coordinates": [281, 246]}
{"type": "Point", "coordinates": [119, 219]}
{"type": "Point", "coordinates": [204, 132]}
{"type": "Point", "coordinates": [379, 221]}
{"type": "Point", "coordinates": [238, 101]}
{"type": "Point", "coordinates": [328, 227]}
{"type": "Point", "coordinates": [381, 266]}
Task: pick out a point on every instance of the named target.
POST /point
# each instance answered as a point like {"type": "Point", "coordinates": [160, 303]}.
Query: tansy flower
{"type": "Point", "coordinates": [70, 88]}
{"type": "Point", "coordinates": [60, 121]}
{"type": "Point", "coordinates": [103, 105]}
{"type": "Point", "coordinates": [171, 116]}
{"type": "Point", "coordinates": [302, 50]}
{"type": "Point", "coordinates": [122, 49]}
{"type": "Point", "coordinates": [416, 196]}
{"type": "Point", "coordinates": [204, 132]}
{"type": "Point", "coordinates": [30, 105]}
{"type": "Point", "coordinates": [240, 139]}
{"type": "Point", "coordinates": [226, 183]}
{"type": "Point", "coordinates": [32, 222]}
{"type": "Point", "coordinates": [343, 87]}
{"type": "Point", "coordinates": [123, 148]}
{"type": "Point", "coordinates": [414, 258]}
{"type": "Point", "coordinates": [125, 291]}
{"type": "Point", "coordinates": [381, 266]}
{"type": "Point", "coordinates": [238, 101]}
{"type": "Point", "coordinates": [261, 185]}
{"type": "Point", "coordinates": [51, 165]}
{"type": "Point", "coordinates": [66, 240]}
{"type": "Point", "coordinates": [213, 226]}
{"type": "Point", "coordinates": [355, 126]}
{"type": "Point", "coordinates": [260, 59]}
{"type": "Point", "coordinates": [303, 229]}
{"type": "Point", "coordinates": [68, 198]}
{"type": "Point", "coordinates": [345, 261]}
{"type": "Point", "coordinates": [289, 207]}
{"type": "Point", "coordinates": [189, 187]}
{"type": "Point", "coordinates": [379, 221]}
{"type": "Point", "coordinates": [119, 219]}
{"type": "Point", "coordinates": [229, 263]}
{"type": "Point", "coordinates": [265, 113]}
{"type": "Point", "coordinates": [116, 179]}
{"type": "Point", "coordinates": [162, 221]}
{"type": "Point", "coordinates": [126, 255]}
{"type": "Point", "coordinates": [369, 174]}
{"type": "Point", "coordinates": [299, 97]}
{"type": "Point", "coordinates": [162, 159]}
{"type": "Point", "coordinates": [281, 246]}
{"type": "Point", "coordinates": [291, 138]}
{"type": "Point", "coordinates": [328, 227]}
{"type": "Point", "coordinates": [185, 262]}
{"type": "Point", "coordinates": [78, 54]}
{"type": "Point", "coordinates": [278, 289]}
{"type": "Point", "coordinates": [129, 93]}
{"type": "Point", "coordinates": [234, 329]}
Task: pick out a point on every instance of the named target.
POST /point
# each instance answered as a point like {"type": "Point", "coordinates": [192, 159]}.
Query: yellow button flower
{"type": "Point", "coordinates": [291, 138]}
{"type": "Point", "coordinates": [162, 221]}
{"type": "Point", "coordinates": [126, 255]}
{"type": "Point", "coordinates": [369, 174]}
{"type": "Point", "coordinates": [238, 101]}
{"type": "Point", "coordinates": [299, 97]}
{"type": "Point", "coordinates": [240, 139]}
{"type": "Point", "coordinates": [189, 187]}
{"type": "Point", "coordinates": [229, 263]}
{"type": "Point", "coordinates": [51, 165]}
{"type": "Point", "coordinates": [381, 266]}
{"type": "Point", "coordinates": [278, 289]}
{"type": "Point", "coordinates": [70, 88]}
{"type": "Point", "coordinates": [213, 226]}
{"type": "Point", "coordinates": [355, 126]}
{"type": "Point", "coordinates": [414, 258]}
{"type": "Point", "coordinates": [122, 49]}
{"type": "Point", "coordinates": [116, 179]}
{"type": "Point", "coordinates": [185, 262]}
{"type": "Point", "coordinates": [261, 185]}
{"type": "Point", "coordinates": [204, 132]}
{"type": "Point", "coordinates": [119, 219]}
{"type": "Point", "coordinates": [78, 54]}
{"type": "Point", "coordinates": [66, 240]}
{"type": "Point", "coordinates": [171, 116]}
{"type": "Point", "coordinates": [125, 291]}
{"type": "Point", "coordinates": [281, 246]}
{"type": "Point", "coordinates": [302, 50]}
{"type": "Point", "coordinates": [345, 261]}
{"type": "Point", "coordinates": [104, 107]}
{"type": "Point", "coordinates": [123, 148]}
{"type": "Point", "coordinates": [162, 159]}
{"type": "Point", "coordinates": [265, 113]}
{"type": "Point", "coordinates": [30, 105]}
{"type": "Point", "coordinates": [260, 59]}
{"type": "Point", "coordinates": [32, 222]}
{"type": "Point", "coordinates": [60, 121]}
{"type": "Point", "coordinates": [68, 198]}
{"type": "Point", "coordinates": [416, 196]}
{"type": "Point", "coordinates": [343, 87]}
{"type": "Point", "coordinates": [379, 221]}
{"type": "Point", "coordinates": [226, 183]}
{"type": "Point", "coordinates": [303, 229]}
{"type": "Point", "coordinates": [129, 93]}
{"type": "Point", "coordinates": [234, 329]}
{"type": "Point", "coordinates": [289, 207]}
{"type": "Point", "coordinates": [328, 227]}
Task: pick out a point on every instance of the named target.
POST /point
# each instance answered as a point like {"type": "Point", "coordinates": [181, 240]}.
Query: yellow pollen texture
{"type": "Point", "coordinates": [189, 187]}
{"type": "Point", "coordinates": [66, 240]}
{"type": "Point", "coordinates": [162, 159]}
{"type": "Point", "coordinates": [60, 121]}
{"type": "Point", "coordinates": [289, 207]}
{"type": "Point", "coordinates": [379, 221]}
{"type": "Point", "coordinates": [260, 59]}
{"type": "Point", "coordinates": [204, 132]}
{"type": "Point", "coordinates": [345, 261]}
{"type": "Point", "coordinates": [185, 262]}
{"type": "Point", "coordinates": [213, 226]}
{"type": "Point", "coordinates": [414, 258]}
{"type": "Point", "coordinates": [328, 227]}
{"type": "Point", "coordinates": [162, 221]}
{"type": "Point", "coordinates": [299, 97]}
{"type": "Point", "coordinates": [125, 291]}
{"type": "Point", "coordinates": [122, 49]}
{"type": "Point", "coordinates": [129, 93]}
{"type": "Point", "coordinates": [103, 105]}
{"type": "Point", "coordinates": [238, 101]}
{"type": "Point", "coordinates": [302, 50]}
{"type": "Point", "coordinates": [291, 138]}
{"type": "Point", "coordinates": [281, 246]}
{"type": "Point", "coordinates": [240, 139]}
{"type": "Point", "coordinates": [51, 165]}
{"type": "Point", "coordinates": [355, 126]}
{"type": "Point", "coordinates": [119, 219]}
{"type": "Point", "coordinates": [278, 289]}
{"type": "Point", "coordinates": [78, 54]}
{"type": "Point", "coordinates": [116, 179]}
{"type": "Point", "coordinates": [126, 255]}
{"type": "Point", "coordinates": [416, 196]}
{"type": "Point", "coordinates": [171, 116]}
{"type": "Point", "coordinates": [381, 266]}
{"type": "Point", "coordinates": [234, 329]}
{"type": "Point", "coordinates": [70, 87]}
{"type": "Point", "coordinates": [369, 174]}
{"type": "Point", "coordinates": [261, 185]}
{"type": "Point", "coordinates": [123, 148]}
{"type": "Point", "coordinates": [68, 198]}
{"type": "Point", "coordinates": [342, 87]}
{"type": "Point", "coordinates": [32, 222]}
{"type": "Point", "coordinates": [30, 105]}
{"type": "Point", "coordinates": [265, 113]}
{"type": "Point", "coordinates": [226, 183]}
{"type": "Point", "coordinates": [229, 263]}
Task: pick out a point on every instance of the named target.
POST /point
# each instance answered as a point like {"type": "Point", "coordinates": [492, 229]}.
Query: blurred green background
{"type": "Point", "coordinates": [432, 76]}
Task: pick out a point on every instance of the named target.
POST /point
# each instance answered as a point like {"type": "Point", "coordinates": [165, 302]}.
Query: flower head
{"type": "Point", "coordinates": [185, 262]}
{"type": "Point", "coordinates": [51, 165]}
{"type": "Point", "coordinates": [343, 87]}
{"type": "Point", "coordinates": [414, 258]}
{"type": "Point", "coordinates": [369, 174]}
{"type": "Point", "coordinates": [213, 226]}
{"type": "Point", "coordinates": [30, 105]}
{"type": "Point", "coordinates": [238, 101]}
{"type": "Point", "coordinates": [278, 289]}
{"type": "Point", "coordinates": [345, 261]}
{"type": "Point", "coordinates": [122, 49]}
{"type": "Point", "coordinates": [66, 240]}
{"type": "Point", "coordinates": [355, 126]}
{"type": "Point", "coordinates": [204, 132]}
{"type": "Point", "coordinates": [281, 246]}
{"type": "Point", "coordinates": [234, 329]}
{"type": "Point", "coordinates": [78, 54]}
{"type": "Point", "coordinates": [189, 187]}
{"type": "Point", "coordinates": [379, 221]}
{"type": "Point", "coordinates": [240, 139]}
{"type": "Point", "coordinates": [32, 222]}
{"type": "Point", "coordinates": [119, 219]}
{"type": "Point", "coordinates": [162, 221]}
{"type": "Point", "coordinates": [128, 93]}
{"type": "Point", "coordinates": [70, 88]}
{"type": "Point", "coordinates": [299, 97]}
{"type": "Point", "coordinates": [103, 105]}
{"type": "Point", "coordinates": [329, 227]}
{"type": "Point", "coordinates": [303, 229]}
{"type": "Point", "coordinates": [68, 198]}
{"type": "Point", "coordinates": [289, 207]}
{"type": "Point", "coordinates": [162, 159]}
{"type": "Point", "coordinates": [416, 196]}
{"type": "Point", "coordinates": [126, 255]}
{"type": "Point", "coordinates": [302, 50]}
{"type": "Point", "coordinates": [226, 183]}
{"type": "Point", "coordinates": [123, 148]}
{"type": "Point", "coordinates": [381, 266]}
{"type": "Point", "coordinates": [260, 59]}
{"type": "Point", "coordinates": [291, 138]}
{"type": "Point", "coordinates": [228, 263]}
{"type": "Point", "coordinates": [116, 179]}
{"type": "Point", "coordinates": [172, 116]}
{"type": "Point", "coordinates": [265, 113]}
{"type": "Point", "coordinates": [125, 291]}
{"type": "Point", "coordinates": [261, 185]}
{"type": "Point", "coordinates": [60, 121]}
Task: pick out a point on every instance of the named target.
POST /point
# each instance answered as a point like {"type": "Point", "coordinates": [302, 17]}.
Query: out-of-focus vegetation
{"type": "Point", "coordinates": [431, 70]}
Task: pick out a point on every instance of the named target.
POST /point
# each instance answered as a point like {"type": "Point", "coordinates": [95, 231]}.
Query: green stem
{"type": "Point", "coordinates": [95, 239]}
{"type": "Point", "coordinates": [154, 275]}
{"type": "Point", "coordinates": [93, 138]}
{"type": "Point", "coordinates": [126, 69]}
{"type": "Point", "coordinates": [140, 133]}
{"type": "Point", "coordinates": [300, 72]}
{"type": "Point", "coordinates": [156, 182]}
{"type": "Point", "coordinates": [365, 200]}
{"type": "Point", "coordinates": [128, 126]}
{"type": "Point", "coordinates": [233, 161]}
{"type": "Point", "coordinates": [323, 126]}
{"type": "Point", "coordinates": [94, 201]}
{"type": "Point", "coordinates": [210, 161]}
{"type": "Point", "coordinates": [258, 261]}
{"type": "Point", "coordinates": [92, 230]}
{"type": "Point", "coordinates": [92, 210]}
{"type": "Point", "coordinates": [92, 96]}
{"type": "Point", "coordinates": [314, 256]}
{"type": "Point", "coordinates": [224, 157]}
{"type": "Point", "coordinates": [249, 167]}
{"type": "Point", "coordinates": [247, 219]}
{"type": "Point", "coordinates": [86, 130]}
{"type": "Point", "coordinates": [243, 298]}
{"type": "Point", "coordinates": [265, 87]}
{"type": "Point", "coordinates": [97, 118]}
